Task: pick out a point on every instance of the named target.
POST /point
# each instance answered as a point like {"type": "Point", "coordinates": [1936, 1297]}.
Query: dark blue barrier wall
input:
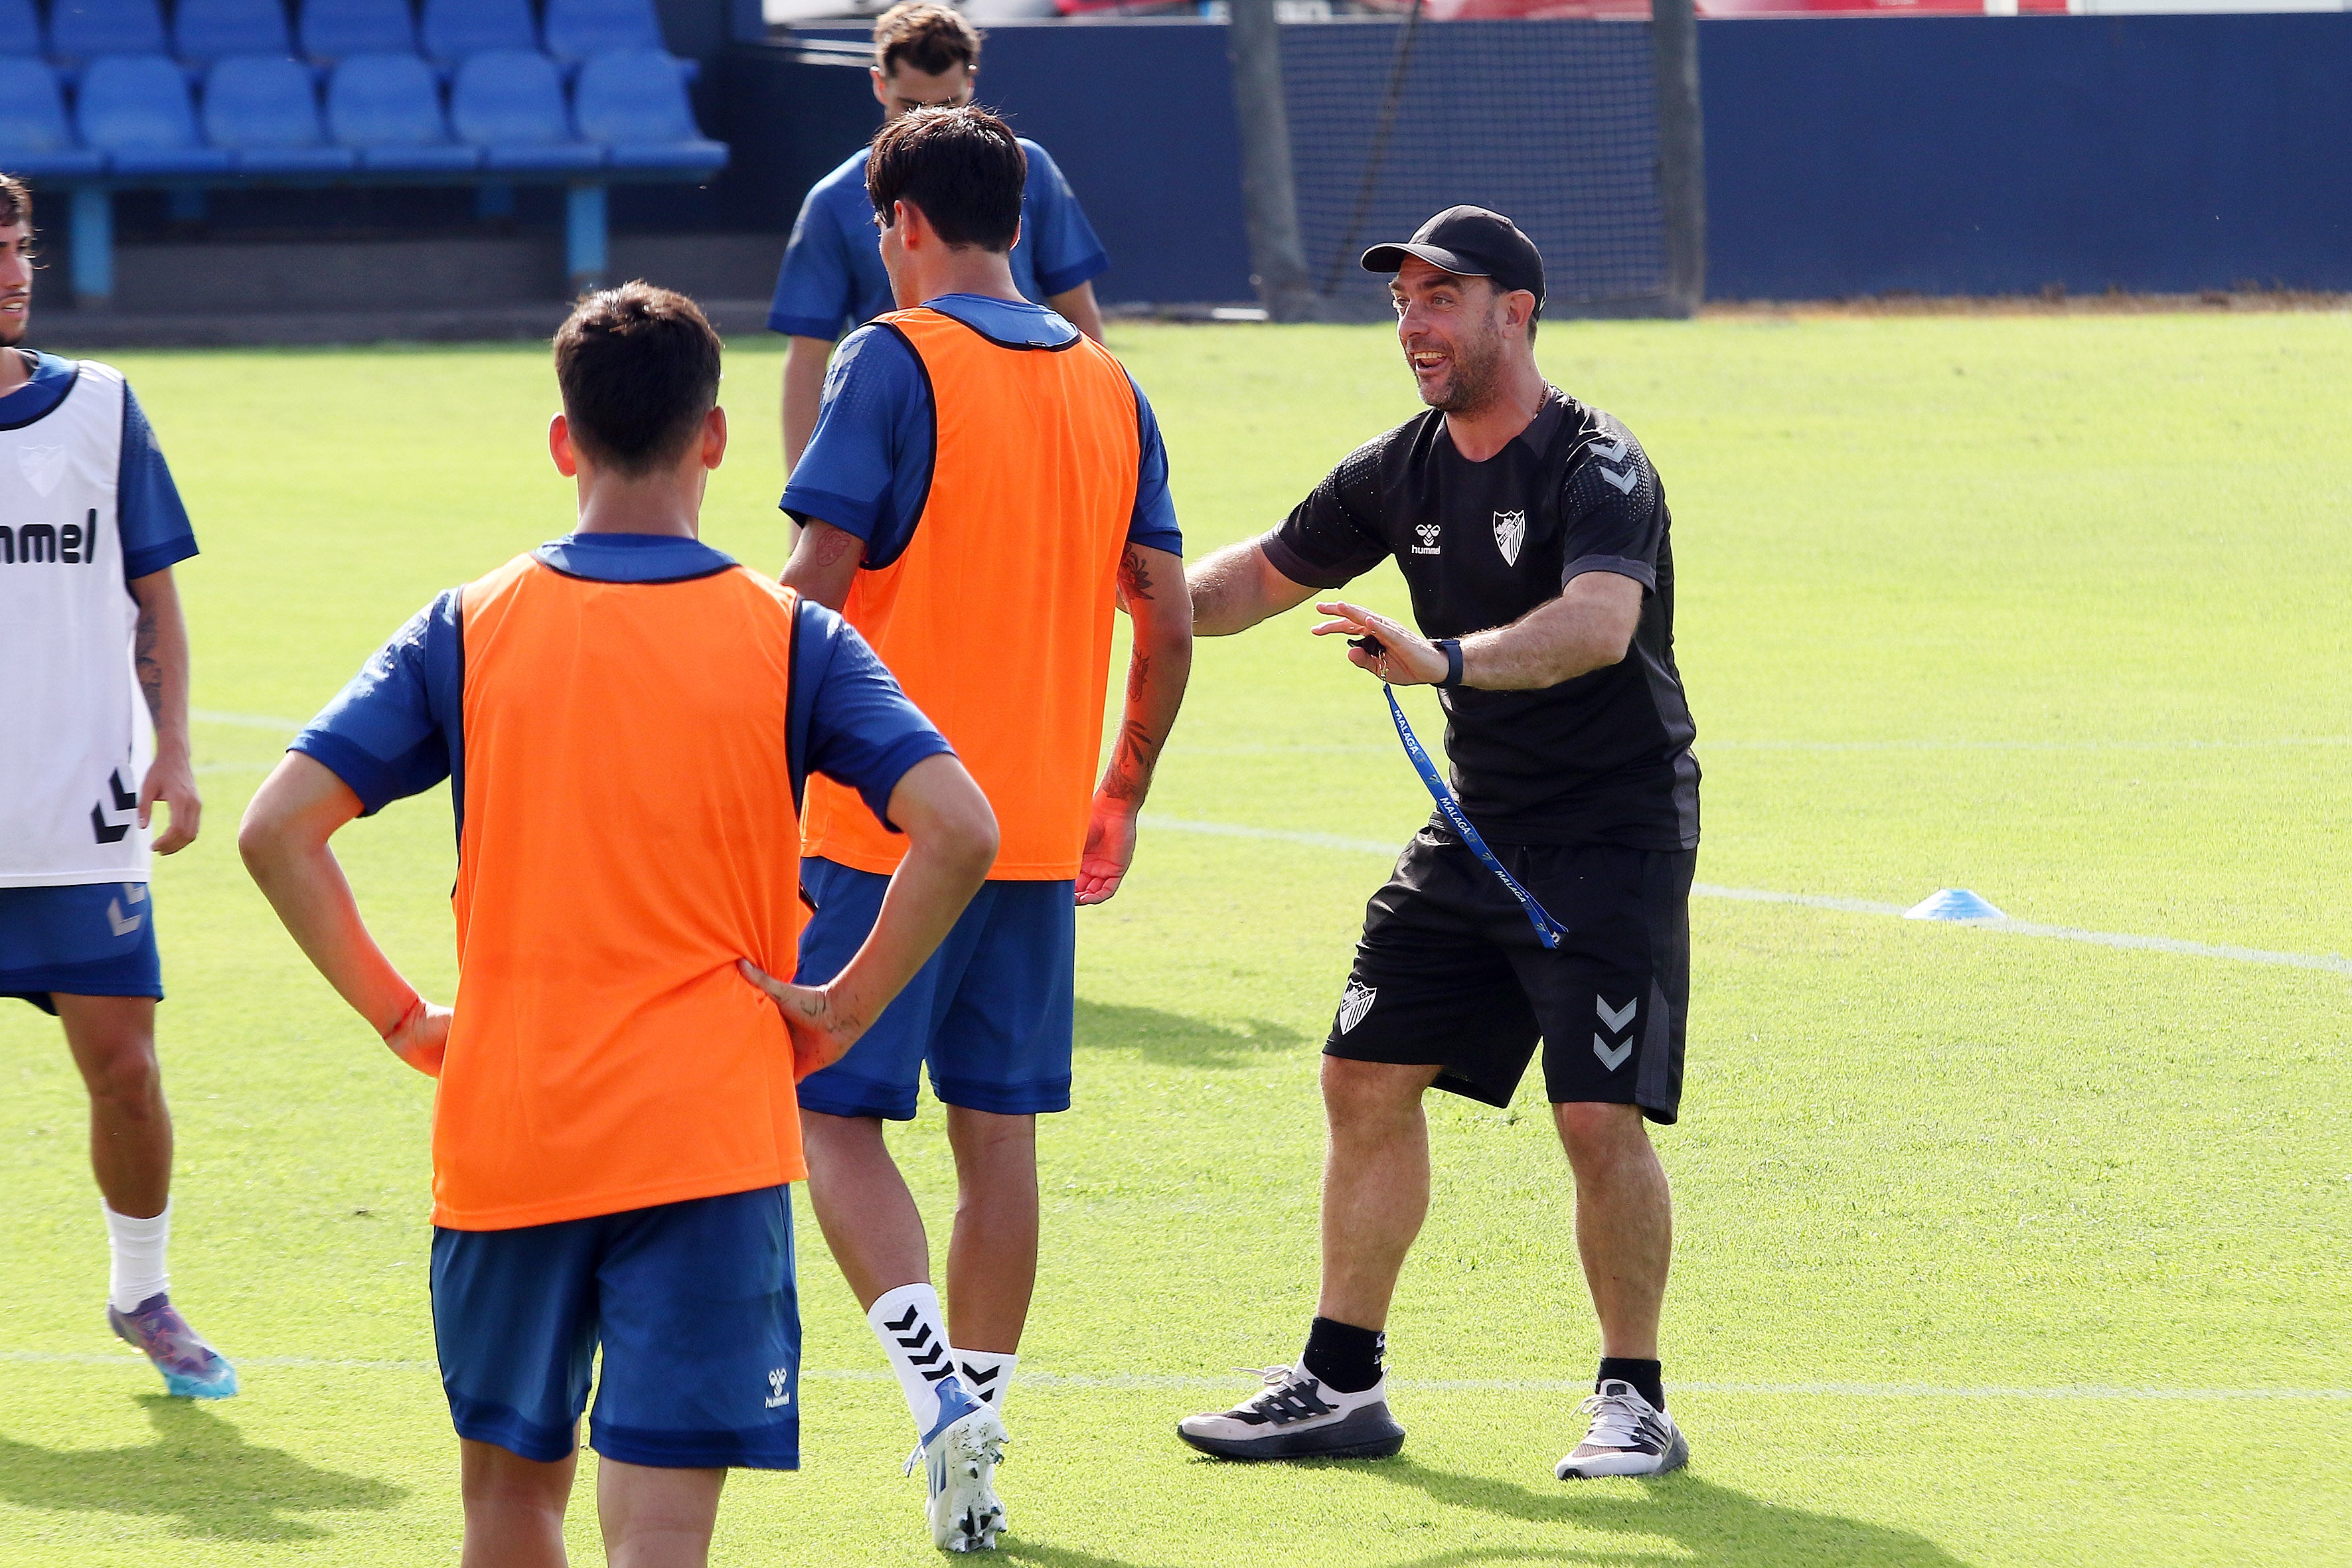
{"type": "Point", "coordinates": [1140, 115]}
{"type": "Point", "coordinates": [1848, 156]}
{"type": "Point", "coordinates": [1958, 155]}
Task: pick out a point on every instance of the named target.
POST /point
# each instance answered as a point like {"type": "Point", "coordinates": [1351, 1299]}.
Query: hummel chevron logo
{"type": "Point", "coordinates": [982, 1379]}
{"type": "Point", "coordinates": [123, 924]}
{"type": "Point", "coordinates": [924, 1353]}
{"type": "Point", "coordinates": [1613, 1055]}
{"type": "Point", "coordinates": [107, 831]}
{"type": "Point", "coordinates": [1615, 452]}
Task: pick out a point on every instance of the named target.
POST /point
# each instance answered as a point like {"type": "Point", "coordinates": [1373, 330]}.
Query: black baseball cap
{"type": "Point", "coordinates": [1473, 242]}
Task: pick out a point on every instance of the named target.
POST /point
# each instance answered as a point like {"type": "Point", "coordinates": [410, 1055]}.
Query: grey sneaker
{"type": "Point", "coordinates": [1295, 1416]}
{"type": "Point", "coordinates": [1629, 1436]}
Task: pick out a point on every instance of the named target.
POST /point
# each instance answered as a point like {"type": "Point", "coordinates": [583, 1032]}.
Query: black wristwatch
{"type": "Point", "coordinates": [1452, 648]}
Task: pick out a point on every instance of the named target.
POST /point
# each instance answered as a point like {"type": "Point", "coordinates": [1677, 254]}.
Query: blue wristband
{"type": "Point", "coordinates": [1452, 648]}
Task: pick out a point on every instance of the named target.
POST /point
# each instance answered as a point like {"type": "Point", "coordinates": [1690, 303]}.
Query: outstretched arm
{"type": "Point", "coordinates": [160, 653]}
{"type": "Point", "coordinates": [1237, 587]}
{"type": "Point", "coordinates": [951, 844]}
{"type": "Point", "coordinates": [1588, 627]}
{"type": "Point", "coordinates": [284, 841]}
{"type": "Point", "coordinates": [1152, 589]}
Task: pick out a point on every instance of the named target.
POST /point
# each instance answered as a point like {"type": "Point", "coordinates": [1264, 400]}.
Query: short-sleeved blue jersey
{"type": "Point", "coordinates": [396, 729]}
{"type": "Point", "coordinates": [868, 466]}
{"type": "Point", "coordinates": [155, 528]}
{"type": "Point", "coordinates": [833, 278]}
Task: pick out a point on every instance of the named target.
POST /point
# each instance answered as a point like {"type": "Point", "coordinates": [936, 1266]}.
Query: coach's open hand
{"type": "Point", "coordinates": [820, 1036]}
{"type": "Point", "coordinates": [1406, 658]}
{"type": "Point", "coordinates": [420, 1037]}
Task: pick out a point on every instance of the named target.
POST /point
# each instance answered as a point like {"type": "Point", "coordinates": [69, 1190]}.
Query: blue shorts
{"type": "Point", "coordinates": [990, 1013]}
{"type": "Point", "coordinates": [693, 1304]}
{"type": "Point", "coordinates": [97, 940]}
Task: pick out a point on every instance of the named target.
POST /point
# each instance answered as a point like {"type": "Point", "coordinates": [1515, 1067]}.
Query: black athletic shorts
{"type": "Point", "coordinates": [1450, 973]}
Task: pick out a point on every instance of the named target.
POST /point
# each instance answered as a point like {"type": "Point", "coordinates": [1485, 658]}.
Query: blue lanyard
{"type": "Point", "coordinates": [1548, 929]}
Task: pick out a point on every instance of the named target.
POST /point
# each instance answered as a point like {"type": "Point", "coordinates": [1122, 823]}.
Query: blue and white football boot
{"type": "Point", "coordinates": [1629, 1436]}
{"type": "Point", "coordinates": [960, 1456]}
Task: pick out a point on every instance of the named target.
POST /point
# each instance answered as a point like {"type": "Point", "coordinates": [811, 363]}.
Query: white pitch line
{"type": "Point", "coordinates": [1080, 1382]}
{"type": "Point", "coordinates": [2265, 743]}
{"type": "Point", "coordinates": [247, 721]}
{"type": "Point", "coordinates": [2334, 964]}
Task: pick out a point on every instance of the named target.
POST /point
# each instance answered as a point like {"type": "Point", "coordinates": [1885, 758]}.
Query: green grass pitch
{"type": "Point", "coordinates": [1993, 1249]}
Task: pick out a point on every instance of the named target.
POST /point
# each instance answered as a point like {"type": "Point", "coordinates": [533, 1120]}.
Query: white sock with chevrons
{"type": "Point", "coordinates": [907, 1322]}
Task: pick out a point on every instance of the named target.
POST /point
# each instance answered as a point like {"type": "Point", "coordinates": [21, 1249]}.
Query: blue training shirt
{"type": "Point", "coordinates": [157, 532]}
{"type": "Point", "coordinates": [869, 467]}
{"type": "Point", "coordinates": [833, 277]}
{"type": "Point", "coordinates": [396, 729]}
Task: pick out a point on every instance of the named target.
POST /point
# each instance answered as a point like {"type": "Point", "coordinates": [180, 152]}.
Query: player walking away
{"type": "Point", "coordinates": [985, 484]}
{"type": "Point", "coordinates": [93, 733]}
{"type": "Point", "coordinates": [626, 718]}
{"type": "Point", "coordinates": [1532, 533]}
{"type": "Point", "coordinates": [926, 56]}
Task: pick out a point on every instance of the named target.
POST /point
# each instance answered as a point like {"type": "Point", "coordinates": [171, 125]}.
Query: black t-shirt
{"type": "Point", "coordinates": [1603, 758]}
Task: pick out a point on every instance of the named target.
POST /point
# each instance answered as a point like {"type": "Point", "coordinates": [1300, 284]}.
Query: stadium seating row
{"type": "Point", "coordinates": [384, 114]}
{"type": "Point", "coordinates": [203, 31]}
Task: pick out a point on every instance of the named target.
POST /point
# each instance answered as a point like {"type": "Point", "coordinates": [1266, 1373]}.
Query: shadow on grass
{"type": "Point", "coordinates": [200, 1468]}
{"type": "Point", "coordinates": [1171, 1039]}
{"type": "Point", "coordinates": [1712, 1524]}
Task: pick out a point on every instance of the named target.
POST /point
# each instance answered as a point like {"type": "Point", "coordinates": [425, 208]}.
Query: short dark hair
{"type": "Point", "coordinates": [963, 167]}
{"type": "Point", "coordinates": [15, 203]}
{"type": "Point", "coordinates": [926, 35]}
{"type": "Point", "coordinates": [638, 367]}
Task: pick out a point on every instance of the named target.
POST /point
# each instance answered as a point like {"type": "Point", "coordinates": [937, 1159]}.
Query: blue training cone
{"type": "Point", "coordinates": [1953, 904]}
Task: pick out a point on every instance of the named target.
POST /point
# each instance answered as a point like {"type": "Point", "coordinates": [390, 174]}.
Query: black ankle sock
{"type": "Point", "coordinates": [1645, 1375]}
{"type": "Point", "coordinates": [1345, 1357]}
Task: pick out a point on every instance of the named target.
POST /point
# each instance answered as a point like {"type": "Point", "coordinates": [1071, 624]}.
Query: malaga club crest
{"type": "Point", "coordinates": [1354, 1002]}
{"type": "Point", "coordinates": [1510, 533]}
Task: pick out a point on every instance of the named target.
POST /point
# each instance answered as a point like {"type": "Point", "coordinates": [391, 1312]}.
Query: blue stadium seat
{"type": "Point", "coordinates": [265, 109]}
{"type": "Point", "coordinates": [457, 28]}
{"type": "Point", "coordinates": [207, 30]}
{"type": "Point", "coordinates": [510, 103]}
{"type": "Point", "coordinates": [577, 29]}
{"type": "Point", "coordinates": [134, 108]}
{"type": "Point", "coordinates": [35, 139]}
{"type": "Point", "coordinates": [20, 29]}
{"type": "Point", "coordinates": [388, 108]}
{"type": "Point", "coordinates": [634, 101]}
{"type": "Point", "coordinates": [84, 29]}
{"type": "Point", "coordinates": [338, 30]}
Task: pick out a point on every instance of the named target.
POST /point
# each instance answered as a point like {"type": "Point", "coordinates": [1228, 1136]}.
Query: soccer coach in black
{"type": "Point", "coordinates": [1532, 532]}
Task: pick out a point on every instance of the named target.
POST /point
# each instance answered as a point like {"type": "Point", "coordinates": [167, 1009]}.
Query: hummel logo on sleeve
{"type": "Point", "coordinates": [1354, 1002]}
{"type": "Point", "coordinates": [1426, 532]}
{"type": "Point", "coordinates": [1615, 452]}
{"type": "Point", "coordinates": [1612, 1053]}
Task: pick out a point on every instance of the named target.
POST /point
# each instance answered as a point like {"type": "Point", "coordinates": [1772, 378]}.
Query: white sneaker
{"type": "Point", "coordinates": [1629, 1436]}
{"type": "Point", "coordinates": [960, 1457]}
{"type": "Point", "coordinates": [1296, 1417]}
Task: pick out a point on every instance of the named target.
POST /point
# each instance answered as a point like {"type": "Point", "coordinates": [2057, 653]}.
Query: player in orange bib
{"type": "Point", "coordinates": [984, 485]}
{"type": "Point", "coordinates": [626, 717]}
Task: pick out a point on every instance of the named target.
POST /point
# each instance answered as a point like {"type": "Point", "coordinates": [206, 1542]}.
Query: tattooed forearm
{"type": "Point", "coordinates": [1131, 763]}
{"type": "Point", "coordinates": [149, 666]}
{"type": "Point", "coordinates": [1134, 576]}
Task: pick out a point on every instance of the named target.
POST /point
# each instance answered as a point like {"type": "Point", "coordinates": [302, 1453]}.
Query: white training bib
{"type": "Point", "coordinates": [75, 737]}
